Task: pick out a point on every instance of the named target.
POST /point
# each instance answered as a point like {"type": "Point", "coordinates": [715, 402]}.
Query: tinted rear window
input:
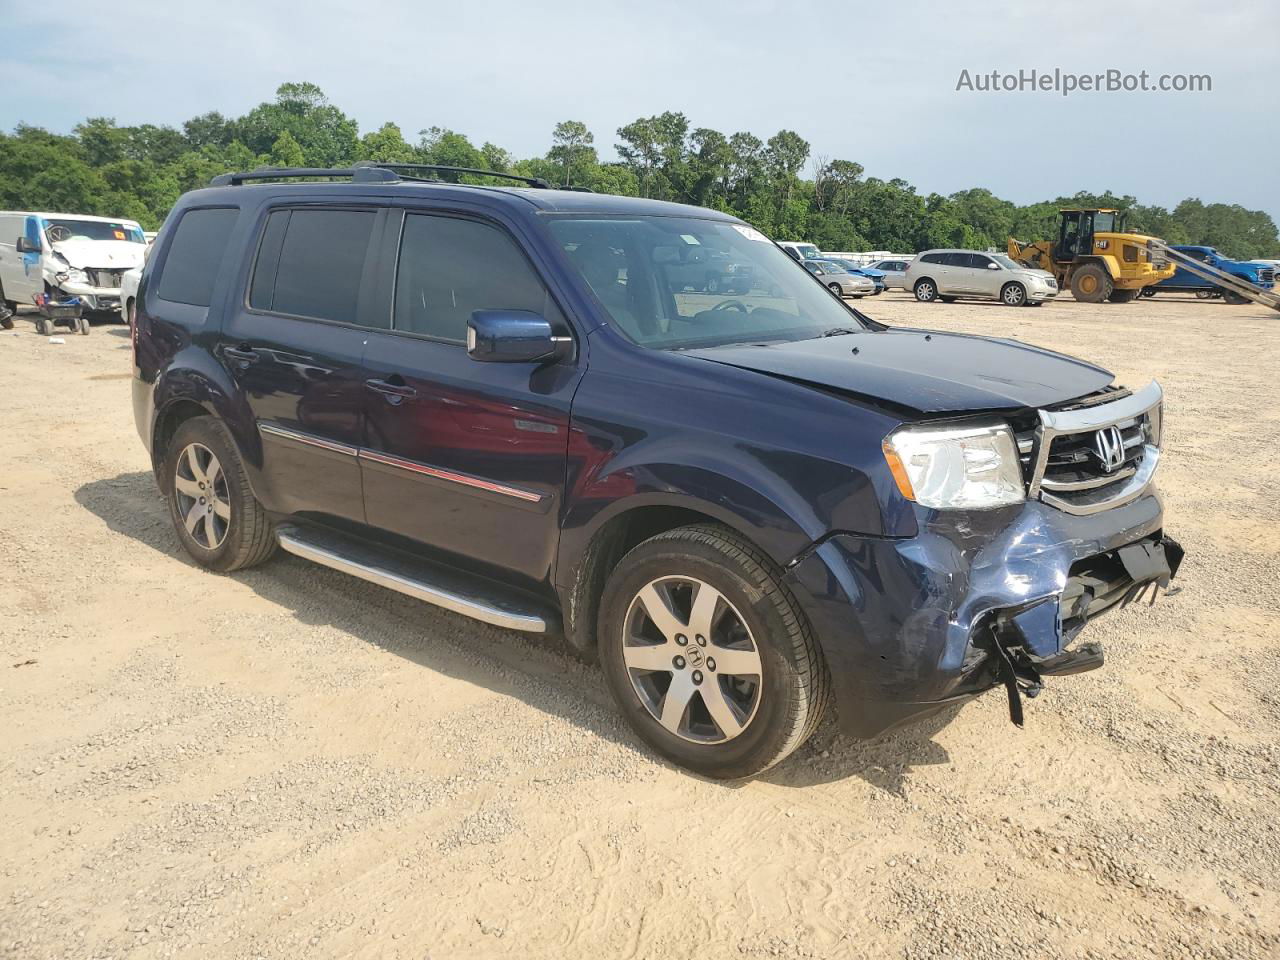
{"type": "Point", "coordinates": [317, 259]}
{"type": "Point", "coordinates": [932, 258]}
{"type": "Point", "coordinates": [195, 255]}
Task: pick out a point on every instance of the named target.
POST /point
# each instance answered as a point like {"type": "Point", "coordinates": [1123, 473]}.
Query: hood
{"type": "Point", "coordinates": [101, 254]}
{"type": "Point", "coordinates": [922, 370]}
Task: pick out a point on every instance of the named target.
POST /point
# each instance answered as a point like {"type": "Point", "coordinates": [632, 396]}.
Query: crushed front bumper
{"type": "Point", "coordinates": [97, 299]}
{"type": "Point", "coordinates": [975, 600]}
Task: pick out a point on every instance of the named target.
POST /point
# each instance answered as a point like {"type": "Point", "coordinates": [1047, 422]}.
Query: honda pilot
{"type": "Point", "coordinates": [750, 507]}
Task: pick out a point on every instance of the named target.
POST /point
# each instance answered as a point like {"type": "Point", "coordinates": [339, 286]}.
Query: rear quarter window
{"type": "Point", "coordinates": [195, 255]}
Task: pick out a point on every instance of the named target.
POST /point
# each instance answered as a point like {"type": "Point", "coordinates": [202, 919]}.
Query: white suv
{"type": "Point", "coordinates": [947, 275]}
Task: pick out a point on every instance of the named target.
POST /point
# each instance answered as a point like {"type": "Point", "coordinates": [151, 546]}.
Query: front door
{"type": "Point", "coordinates": [467, 458]}
{"type": "Point", "coordinates": [295, 348]}
{"type": "Point", "coordinates": [29, 281]}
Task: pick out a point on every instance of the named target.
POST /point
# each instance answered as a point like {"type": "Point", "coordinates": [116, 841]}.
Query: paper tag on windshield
{"type": "Point", "coordinates": [689, 238]}
{"type": "Point", "coordinates": [751, 233]}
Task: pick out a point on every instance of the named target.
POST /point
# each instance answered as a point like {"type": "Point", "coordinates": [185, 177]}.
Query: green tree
{"type": "Point", "coordinates": [572, 151]}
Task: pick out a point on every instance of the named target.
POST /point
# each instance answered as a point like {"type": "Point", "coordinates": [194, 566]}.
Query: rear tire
{"type": "Point", "coordinates": [925, 290]}
{"type": "Point", "coordinates": [82, 325]}
{"type": "Point", "coordinates": [42, 326]}
{"type": "Point", "coordinates": [713, 595]}
{"type": "Point", "coordinates": [835, 288]}
{"type": "Point", "coordinates": [1091, 284]}
{"type": "Point", "coordinates": [1234, 298]}
{"type": "Point", "coordinates": [1124, 296]}
{"type": "Point", "coordinates": [218, 519]}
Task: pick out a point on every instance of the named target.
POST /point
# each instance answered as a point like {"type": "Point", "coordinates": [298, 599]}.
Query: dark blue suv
{"type": "Point", "coordinates": [748, 506]}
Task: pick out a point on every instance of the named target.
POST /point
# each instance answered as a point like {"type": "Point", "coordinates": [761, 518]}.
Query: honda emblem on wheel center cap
{"type": "Point", "coordinates": [695, 656]}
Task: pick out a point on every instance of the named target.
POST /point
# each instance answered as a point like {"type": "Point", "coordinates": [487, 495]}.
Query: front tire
{"type": "Point", "coordinates": [835, 289]}
{"type": "Point", "coordinates": [926, 291]}
{"type": "Point", "coordinates": [708, 655]}
{"type": "Point", "coordinates": [1091, 284]}
{"type": "Point", "coordinates": [218, 519]}
{"type": "Point", "coordinates": [1013, 294]}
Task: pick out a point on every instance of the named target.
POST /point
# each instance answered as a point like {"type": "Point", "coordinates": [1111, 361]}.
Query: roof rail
{"type": "Point", "coordinates": [531, 181]}
{"type": "Point", "coordinates": [359, 174]}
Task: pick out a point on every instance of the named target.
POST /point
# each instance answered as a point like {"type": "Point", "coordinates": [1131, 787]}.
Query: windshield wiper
{"type": "Point", "coordinates": [839, 331]}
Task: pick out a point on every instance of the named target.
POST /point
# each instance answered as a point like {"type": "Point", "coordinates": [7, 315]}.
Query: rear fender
{"type": "Point", "coordinates": [195, 377]}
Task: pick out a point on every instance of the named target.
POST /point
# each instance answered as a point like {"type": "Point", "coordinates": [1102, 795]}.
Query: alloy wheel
{"type": "Point", "coordinates": [692, 660]}
{"type": "Point", "coordinates": [203, 500]}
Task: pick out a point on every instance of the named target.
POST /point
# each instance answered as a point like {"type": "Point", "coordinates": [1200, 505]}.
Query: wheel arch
{"type": "Point", "coordinates": [626, 524]}
{"type": "Point", "coordinates": [195, 385]}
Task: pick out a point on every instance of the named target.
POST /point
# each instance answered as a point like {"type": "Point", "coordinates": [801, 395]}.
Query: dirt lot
{"type": "Point", "coordinates": [288, 762]}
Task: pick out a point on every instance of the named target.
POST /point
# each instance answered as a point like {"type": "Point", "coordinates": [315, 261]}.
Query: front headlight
{"type": "Point", "coordinates": [956, 468]}
{"type": "Point", "coordinates": [73, 275]}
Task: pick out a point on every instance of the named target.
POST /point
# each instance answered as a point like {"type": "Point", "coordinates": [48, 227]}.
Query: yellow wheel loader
{"type": "Point", "coordinates": [1095, 258]}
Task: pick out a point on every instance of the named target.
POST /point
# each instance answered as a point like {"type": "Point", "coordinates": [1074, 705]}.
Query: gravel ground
{"type": "Point", "coordinates": [291, 763]}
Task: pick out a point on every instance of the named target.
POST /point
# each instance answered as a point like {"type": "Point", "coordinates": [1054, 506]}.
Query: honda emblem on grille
{"type": "Point", "coordinates": [1108, 443]}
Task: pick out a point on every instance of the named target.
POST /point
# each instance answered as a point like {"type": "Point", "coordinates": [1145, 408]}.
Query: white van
{"type": "Point", "coordinates": [67, 255]}
{"type": "Point", "coordinates": [801, 251]}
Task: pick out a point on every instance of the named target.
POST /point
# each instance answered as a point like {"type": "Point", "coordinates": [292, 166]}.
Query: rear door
{"type": "Point", "coordinates": [294, 345]}
{"type": "Point", "coordinates": [943, 270]}
{"type": "Point", "coordinates": [466, 458]}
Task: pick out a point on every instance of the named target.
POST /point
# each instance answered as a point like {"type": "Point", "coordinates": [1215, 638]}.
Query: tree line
{"type": "Point", "coordinates": [138, 172]}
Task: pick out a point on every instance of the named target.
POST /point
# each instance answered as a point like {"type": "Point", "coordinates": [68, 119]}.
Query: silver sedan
{"type": "Point", "coordinates": [839, 280]}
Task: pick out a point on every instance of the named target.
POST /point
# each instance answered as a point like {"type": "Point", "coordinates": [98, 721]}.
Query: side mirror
{"type": "Point", "coordinates": [26, 246]}
{"type": "Point", "coordinates": [512, 336]}
{"type": "Point", "coordinates": [993, 266]}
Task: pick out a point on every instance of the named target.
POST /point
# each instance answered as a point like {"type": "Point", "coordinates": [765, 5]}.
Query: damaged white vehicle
{"type": "Point", "coordinates": [65, 255]}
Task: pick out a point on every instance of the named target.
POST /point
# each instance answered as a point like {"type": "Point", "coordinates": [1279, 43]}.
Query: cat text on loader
{"type": "Point", "coordinates": [1095, 257]}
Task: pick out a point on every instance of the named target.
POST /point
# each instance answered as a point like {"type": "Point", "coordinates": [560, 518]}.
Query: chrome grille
{"type": "Point", "coordinates": [1063, 457]}
{"type": "Point", "coordinates": [1267, 276]}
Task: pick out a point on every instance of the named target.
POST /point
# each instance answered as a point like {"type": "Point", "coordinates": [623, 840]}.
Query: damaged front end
{"type": "Point", "coordinates": [985, 598]}
{"type": "Point", "coordinates": [1031, 642]}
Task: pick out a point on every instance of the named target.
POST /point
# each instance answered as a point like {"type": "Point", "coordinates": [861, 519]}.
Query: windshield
{"type": "Point", "coordinates": [59, 230]}
{"type": "Point", "coordinates": [1104, 222]}
{"type": "Point", "coordinates": [1005, 261]}
{"type": "Point", "coordinates": [654, 277]}
{"type": "Point", "coordinates": [808, 251]}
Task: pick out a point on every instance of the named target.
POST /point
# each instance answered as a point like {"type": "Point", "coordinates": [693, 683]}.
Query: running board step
{"type": "Point", "coordinates": [431, 583]}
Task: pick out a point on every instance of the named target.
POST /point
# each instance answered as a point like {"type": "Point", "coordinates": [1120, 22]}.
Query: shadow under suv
{"type": "Point", "coordinates": [748, 506]}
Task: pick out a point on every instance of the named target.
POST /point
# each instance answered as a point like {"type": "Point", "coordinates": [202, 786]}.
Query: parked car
{"type": "Point", "coordinates": [895, 272]}
{"type": "Point", "coordinates": [493, 400]}
{"type": "Point", "coordinates": [62, 256]}
{"type": "Point", "coordinates": [800, 251]}
{"type": "Point", "coordinates": [839, 280]}
{"type": "Point", "coordinates": [1184, 281]}
{"type": "Point", "coordinates": [948, 275]}
{"type": "Point", "coordinates": [872, 274]}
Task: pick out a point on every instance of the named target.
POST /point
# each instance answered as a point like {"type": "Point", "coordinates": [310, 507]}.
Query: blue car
{"type": "Point", "coordinates": [748, 507]}
{"type": "Point", "coordinates": [877, 276]}
{"type": "Point", "coordinates": [1184, 281]}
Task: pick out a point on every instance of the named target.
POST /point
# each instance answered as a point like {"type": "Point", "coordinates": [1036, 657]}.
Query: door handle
{"type": "Point", "coordinates": [243, 354]}
{"type": "Point", "coordinates": [391, 390]}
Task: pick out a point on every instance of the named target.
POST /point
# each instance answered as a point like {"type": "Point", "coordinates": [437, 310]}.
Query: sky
{"type": "Point", "coordinates": [871, 82]}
